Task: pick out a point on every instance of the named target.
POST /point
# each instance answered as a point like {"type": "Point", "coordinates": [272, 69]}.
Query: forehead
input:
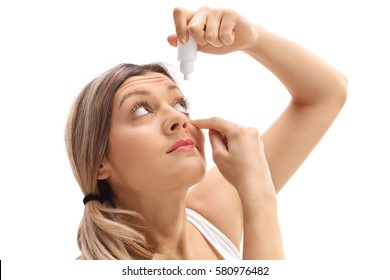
{"type": "Point", "coordinates": [143, 84]}
{"type": "Point", "coordinates": [146, 81]}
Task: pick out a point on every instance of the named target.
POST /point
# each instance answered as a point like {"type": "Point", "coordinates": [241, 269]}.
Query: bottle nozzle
{"type": "Point", "coordinates": [186, 77]}
{"type": "Point", "coordinates": [187, 56]}
{"type": "Point", "coordinates": [186, 67]}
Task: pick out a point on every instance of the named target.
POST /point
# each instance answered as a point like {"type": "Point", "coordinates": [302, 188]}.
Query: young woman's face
{"type": "Point", "coordinates": [152, 144]}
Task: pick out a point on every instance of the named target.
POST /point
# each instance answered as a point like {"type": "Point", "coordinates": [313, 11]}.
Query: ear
{"type": "Point", "coordinates": [104, 170]}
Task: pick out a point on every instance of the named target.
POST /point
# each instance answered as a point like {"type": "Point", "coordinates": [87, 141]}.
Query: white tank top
{"type": "Point", "coordinates": [213, 235]}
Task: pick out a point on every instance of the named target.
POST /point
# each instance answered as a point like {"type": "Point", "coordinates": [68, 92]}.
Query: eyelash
{"type": "Point", "coordinates": [139, 104]}
{"type": "Point", "coordinates": [184, 102]}
{"type": "Point", "coordinates": [143, 103]}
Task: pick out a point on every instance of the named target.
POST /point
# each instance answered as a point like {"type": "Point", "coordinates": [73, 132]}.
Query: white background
{"type": "Point", "coordinates": [333, 212]}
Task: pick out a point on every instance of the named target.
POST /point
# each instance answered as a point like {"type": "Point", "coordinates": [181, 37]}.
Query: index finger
{"type": "Point", "coordinates": [218, 124]}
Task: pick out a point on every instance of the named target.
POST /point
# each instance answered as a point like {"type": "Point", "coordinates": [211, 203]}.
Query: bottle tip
{"type": "Point", "coordinates": [186, 76]}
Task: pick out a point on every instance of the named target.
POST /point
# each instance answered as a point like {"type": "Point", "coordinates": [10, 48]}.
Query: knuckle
{"type": "Point", "coordinates": [204, 9]}
{"type": "Point", "coordinates": [230, 13]}
{"type": "Point", "coordinates": [211, 37]}
{"type": "Point", "coordinates": [217, 12]}
{"type": "Point", "coordinates": [197, 32]}
{"type": "Point", "coordinates": [237, 130]}
{"type": "Point", "coordinates": [177, 11]}
{"type": "Point", "coordinates": [227, 38]}
{"type": "Point", "coordinates": [240, 130]}
{"type": "Point", "coordinates": [193, 28]}
{"type": "Point", "coordinates": [214, 119]}
{"type": "Point", "coordinates": [253, 131]}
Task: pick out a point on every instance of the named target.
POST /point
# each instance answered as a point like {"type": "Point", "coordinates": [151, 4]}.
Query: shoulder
{"type": "Point", "coordinates": [218, 201]}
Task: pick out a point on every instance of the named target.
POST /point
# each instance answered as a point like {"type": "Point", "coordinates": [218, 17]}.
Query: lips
{"type": "Point", "coordinates": [182, 145]}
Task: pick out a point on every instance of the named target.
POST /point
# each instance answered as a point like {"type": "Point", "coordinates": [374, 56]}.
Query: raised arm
{"type": "Point", "coordinates": [318, 91]}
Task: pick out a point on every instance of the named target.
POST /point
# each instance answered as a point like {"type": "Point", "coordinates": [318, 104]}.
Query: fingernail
{"type": "Point", "coordinates": [183, 39]}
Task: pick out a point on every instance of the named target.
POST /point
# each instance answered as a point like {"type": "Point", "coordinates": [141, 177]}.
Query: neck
{"type": "Point", "coordinates": [165, 219]}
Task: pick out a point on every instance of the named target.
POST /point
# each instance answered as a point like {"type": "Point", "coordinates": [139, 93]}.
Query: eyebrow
{"type": "Point", "coordinates": [144, 92]}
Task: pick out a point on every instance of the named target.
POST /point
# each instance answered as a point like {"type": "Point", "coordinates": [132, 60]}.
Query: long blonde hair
{"type": "Point", "coordinates": [105, 231]}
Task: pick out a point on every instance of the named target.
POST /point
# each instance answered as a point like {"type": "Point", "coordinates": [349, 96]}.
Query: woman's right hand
{"type": "Point", "coordinates": [239, 155]}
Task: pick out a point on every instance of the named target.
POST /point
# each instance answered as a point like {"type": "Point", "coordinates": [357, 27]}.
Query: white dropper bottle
{"type": "Point", "coordinates": [187, 56]}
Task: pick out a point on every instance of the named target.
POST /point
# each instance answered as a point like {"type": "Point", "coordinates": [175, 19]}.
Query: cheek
{"type": "Point", "coordinates": [131, 150]}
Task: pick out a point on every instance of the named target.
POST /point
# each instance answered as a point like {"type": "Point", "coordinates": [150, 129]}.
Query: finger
{"type": "Point", "coordinates": [228, 23]}
{"type": "Point", "coordinates": [218, 124]}
{"type": "Point", "coordinates": [212, 28]}
{"type": "Point", "coordinates": [172, 40]}
{"type": "Point", "coordinates": [197, 25]}
{"type": "Point", "coordinates": [181, 18]}
{"type": "Point", "coordinates": [218, 144]}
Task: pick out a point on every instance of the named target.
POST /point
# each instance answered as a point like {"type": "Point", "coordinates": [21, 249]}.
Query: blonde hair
{"type": "Point", "coordinates": [105, 231]}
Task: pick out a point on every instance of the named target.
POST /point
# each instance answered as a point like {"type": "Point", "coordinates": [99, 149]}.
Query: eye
{"type": "Point", "coordinates": [140, 109]}
{"type": "Point", "coordinates": [182, 105]}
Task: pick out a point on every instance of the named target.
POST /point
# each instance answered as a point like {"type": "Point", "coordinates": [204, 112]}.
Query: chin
{"type": "Point", "coordinates": [189, 173]}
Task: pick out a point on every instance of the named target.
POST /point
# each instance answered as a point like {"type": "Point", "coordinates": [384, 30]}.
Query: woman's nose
{"type": "Point", "coordinates": [175, 122]}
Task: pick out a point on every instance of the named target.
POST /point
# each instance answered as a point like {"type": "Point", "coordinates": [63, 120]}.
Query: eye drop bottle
{"type": "Point", "coordinates": [187, 56]}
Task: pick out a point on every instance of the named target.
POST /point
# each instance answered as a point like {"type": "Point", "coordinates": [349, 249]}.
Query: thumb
{"type": "Point", "coordinates": [218, 143]}
{"type": "Point", "coordinates": [172, 40]}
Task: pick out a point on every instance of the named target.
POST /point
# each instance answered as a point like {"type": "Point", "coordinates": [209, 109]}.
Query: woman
{"type": "Point", "coordinates": [140, 161]}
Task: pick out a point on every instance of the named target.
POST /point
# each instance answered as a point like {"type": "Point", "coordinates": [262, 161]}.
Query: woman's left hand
{"type": "Point", "coordinates": [216, 31]}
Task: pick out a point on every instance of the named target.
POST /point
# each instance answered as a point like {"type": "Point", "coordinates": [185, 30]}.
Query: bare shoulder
{"type": "Point", "coordinates": [218, 201]}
